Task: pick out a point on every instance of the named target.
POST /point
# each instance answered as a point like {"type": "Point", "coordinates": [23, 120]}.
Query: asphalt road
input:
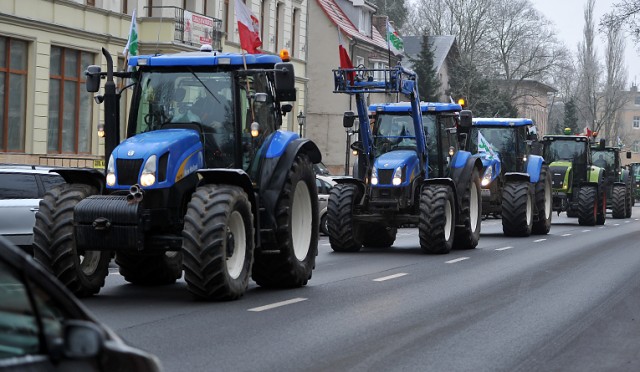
{"type": "Point", "coordinates": [567, 301]}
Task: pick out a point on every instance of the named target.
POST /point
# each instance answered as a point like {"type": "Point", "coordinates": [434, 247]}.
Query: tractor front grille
{"type": "Point", "coordinates": [128, 171]}
{"type": "Point", "coordinates": [385, 176]}
{"type": "Point", "coordinates": [557, 176]}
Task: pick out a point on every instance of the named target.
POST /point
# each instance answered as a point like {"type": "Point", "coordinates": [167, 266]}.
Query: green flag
{"type": "Point", "coordinates": [394, 42]}
{"type": "Point", "coordinates": [131, 49]}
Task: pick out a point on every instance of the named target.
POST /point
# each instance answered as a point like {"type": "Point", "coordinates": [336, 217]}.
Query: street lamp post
{"type": "Point", "coordinates": [301, 120]}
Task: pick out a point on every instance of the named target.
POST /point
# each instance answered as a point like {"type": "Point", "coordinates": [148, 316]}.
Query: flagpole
{"type": "Point", "coordinates": [244, 62]}
{"type": "Point", "coordinates": [386, 26]}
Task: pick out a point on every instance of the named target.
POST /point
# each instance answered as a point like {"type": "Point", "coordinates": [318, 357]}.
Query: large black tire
{"type": "Point", "coordinates": [618, 201]}
{"type": "Point", "coordinates": [54, 242]}
{"type": "Point", "coordinates": [628, 202]}
{"type": "Point", "coordinates": [343, 233]}
{"type": "Point", "coordinates": [437, 221]}
{"type": "Point", "coordinates": [218, 242]}
{"type": "Point", "coordinates": [543, 202]}
{"type": "Point", "coordinates": [601, 213]}
{"type": "Point", "coordinates": [379, 236]}
{"type": "Point", "coordinates": [588, 205]}
{"type": "Point", "coordinates": [296, 235]}
{"type": "Point", "coordinates": [324, 225]}
{"type": "Point", "coordinates": [573, 213]}
{"type": "Point", "coordinates": [517, 209]}
{"type": "Point", "coordinates": [158, 269]}
{"type": "Point", "coordinates": [467, 232]}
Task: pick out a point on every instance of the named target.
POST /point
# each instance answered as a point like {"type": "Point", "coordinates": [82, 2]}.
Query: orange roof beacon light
{"type": "Point", "coordinates": [284, 55]}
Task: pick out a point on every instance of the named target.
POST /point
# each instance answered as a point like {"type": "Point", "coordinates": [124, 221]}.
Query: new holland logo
{"type": "Point", "coordinates": [131, 152]}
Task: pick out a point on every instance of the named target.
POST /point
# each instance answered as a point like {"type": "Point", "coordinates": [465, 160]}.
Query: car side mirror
{"type": "Point", "coordinates": [82, 339]}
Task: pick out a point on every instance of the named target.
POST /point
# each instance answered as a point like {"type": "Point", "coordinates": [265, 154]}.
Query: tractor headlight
{"type": "Point", "coordinates": [148, 176]}
{"type": "Point", "coordinates": [374, 176]}
{"type": "Point", "coordinates": [397, 177]}
{"type": "Point", "coordinates": [111, 172]}
{"type": "Point", "coordinates": [486, 177]}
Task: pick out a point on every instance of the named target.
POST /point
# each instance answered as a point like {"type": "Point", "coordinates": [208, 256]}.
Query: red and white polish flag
{"type": "Point", "coordinates": [248, 28]}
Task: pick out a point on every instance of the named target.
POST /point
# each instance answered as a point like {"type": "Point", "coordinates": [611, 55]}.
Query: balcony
{"type": "Point", "coordinates": [163, 23]}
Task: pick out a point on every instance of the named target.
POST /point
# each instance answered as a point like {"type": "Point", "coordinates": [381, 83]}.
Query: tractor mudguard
{"type": "Point", "coordinates": [282, 151]}
{"type": "Point", "coordinates": [86, 176]}
{"type": "Point", "coordinates": [461, 174]}
{"type": "Point", "coordinates": [595, 175]}
{"type": "Point", "coordinates": [235, 177]}
{"type": "Point", "coordinates": [516, 177]}
{"type": "Point", "coordinates": [354, 181]}
{"type": "Point", "coordinates": [534, 167]}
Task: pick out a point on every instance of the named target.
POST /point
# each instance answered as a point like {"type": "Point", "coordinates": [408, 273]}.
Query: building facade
{"type": "Point", "coordinates": [46, 115]}
{"type": "Point", "coordinates": [628, 120]}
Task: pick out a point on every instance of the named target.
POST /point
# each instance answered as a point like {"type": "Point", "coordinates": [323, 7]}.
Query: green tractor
{"type": "Point", "coordinates": [634, 170]}
{"type": "Point", "coordinates": [578, 185]}
{"type": "Point", "coordinates": [618, 182]}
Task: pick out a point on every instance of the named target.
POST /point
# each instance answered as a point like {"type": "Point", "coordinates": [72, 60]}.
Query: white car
{"type": "Point", "coordinates": [324, 183]}
{"type": "Point", "coordinates": [21, 189]}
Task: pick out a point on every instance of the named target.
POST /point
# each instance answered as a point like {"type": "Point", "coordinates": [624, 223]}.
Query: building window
{"type": "Point", "coordinates": [295, 30]}
{"type": "Point", "coordinates": [13, 93]}
{"type": "Point", "coordinates": [91, 2]}
{"type": "Point", "coordinates": [364, 22]}
{"type": "Point", "coordinates": [125, 6]}
{"type": "Point", "coordinates": [69, 105]}
{"type": "Point", "coordinates": [379, 75]}
{"type": "Point", "coordinates": [637, 100]}
{"type": "Point", "coordinates": [359, 61]}
{"type": "Point", "coordinates": [636, 122]}
{"type": "Point", "coordinates": [279, 25]}
{"type": "Point", "coordinates": [265, 6]}
{"type": "Point", "coordinates": [225, 14]}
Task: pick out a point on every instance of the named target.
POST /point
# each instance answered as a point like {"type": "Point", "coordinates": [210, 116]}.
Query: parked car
{"type": "Point", "coordinates": [43, 327]}
{"type": "Point", "coordinates": [21, 189]}
{"type": "Point", "coordinates": [321, 170]}
{"type": "Point", "coordinates": [324, 183]}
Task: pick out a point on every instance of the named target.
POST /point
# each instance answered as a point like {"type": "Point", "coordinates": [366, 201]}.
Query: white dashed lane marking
{"type": "Point", "coordinates": [539, 240]}
{"type": "Point", "coordinates": [586, 230]}
{"type": "Point", "coordinates": [457, 260]}
{"type": "Point", "coordinates": [503, 248]}
{"type": "Point", "coordinates": [398, 275]}
{"type": "Point", "coordinates": [565, 235]}
{"type": "Point", "coordinates": [278, 304]}
{"type": "Point", "coordinates": [616, 224]}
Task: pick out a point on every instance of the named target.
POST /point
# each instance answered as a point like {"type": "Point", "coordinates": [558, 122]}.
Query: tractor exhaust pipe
{"type": "Point", "coordinates": [136, 194]}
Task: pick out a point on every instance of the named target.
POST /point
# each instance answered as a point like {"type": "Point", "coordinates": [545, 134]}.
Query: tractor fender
{"type": "Point", "coordinates": [353, 181]}
{"type": "Point", "coordinates": [282, 151]}
{"type": "Point", "coordinates": [444, 181]}
{"type": "Point", "coordinates": [86, 176]}
{"type": "Point", "coordinates": [534, 167]}
{"type": "Point", "coordinates": [516, 177]}
{"type": "Point", "coordinates": [463, 164]}
{"type": "Point", "coordinates": [595, 175]}
{"type": "Point", "coordinates": [235, 177]}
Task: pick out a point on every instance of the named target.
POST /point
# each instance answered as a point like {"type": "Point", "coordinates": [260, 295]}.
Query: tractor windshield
{"type": "Point", "coordinates": [206, 101]}
{"type": "Point", "coordinates": [393, 132]}
{"type": "Point", "coordinates": [604, 159]}
{"type": "Point", "coordinates": [508, 143]}
{"type": "Point", "coordinates": [565, 150]}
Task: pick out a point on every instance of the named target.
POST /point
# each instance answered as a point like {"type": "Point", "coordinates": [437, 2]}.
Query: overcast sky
{"type": "Point", "coordinates": [568, 16]}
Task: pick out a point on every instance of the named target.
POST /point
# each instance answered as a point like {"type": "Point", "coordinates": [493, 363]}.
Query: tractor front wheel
{"type": "Point", "coordinates": [517, 209]}
{"type": "Point", "coordinates": [618, 201]}
{"type": "Point", "coordinates": [343, 233]}
{"type": "Point", "coordinates": [83, 273]}
{"type": "Point", "coordinates": [543, 200]}
{"type": "Point", "coordinates": [588, 205]}
{"type": "Point", "coordinates": [468, 233]}
{"type": "Point", "coordinates": [218, 242]}
{"type": "Point", "coordinates": [437, 221]}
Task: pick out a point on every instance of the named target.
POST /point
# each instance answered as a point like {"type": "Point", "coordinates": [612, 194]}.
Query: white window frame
{"type": "Point", "coordinates": [636, 122]}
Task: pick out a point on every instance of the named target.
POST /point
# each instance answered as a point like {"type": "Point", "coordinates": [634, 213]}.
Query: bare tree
{"type": "Point", "coordinates": [589, 71]}
{"type": "Point", "coordinates": [614, 97]}
{"type": "Point", "coordinates": [625, 14]}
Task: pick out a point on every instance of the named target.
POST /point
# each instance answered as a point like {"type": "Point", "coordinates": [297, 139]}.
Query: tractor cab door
{"type": "Point", "coordinates": [441, 143]}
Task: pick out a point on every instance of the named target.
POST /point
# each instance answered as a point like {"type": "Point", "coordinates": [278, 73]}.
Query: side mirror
{"type": "Point", "coordinates": [466, 118]}
{"type": "Point", "coordinates": [285, 83]}
{"type": "Point", "coordinates": [260, 97]}
{"type": "Point", "coordinates": [348, 119]}
{"type": "Point", "coordinates": [93, 78]}
{"type": "Point", "coordinates": [287, 107]}
{"type": "Point", "coordinates": [628, 154]}
{"type": "Point", "coordinates": [357, 146]}
{"type": "Point", "coordinates": [82, 339]}
{"type": "Point", "coordinates": [602, 144]}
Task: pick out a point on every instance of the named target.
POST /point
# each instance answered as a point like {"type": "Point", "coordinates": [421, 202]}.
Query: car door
{"type": "Point", "coordinates": [19, 200]}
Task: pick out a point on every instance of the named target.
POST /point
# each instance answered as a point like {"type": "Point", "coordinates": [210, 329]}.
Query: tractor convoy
{"type": "Point", "coordinates": [204, 182]}
{"type": "Point", "coordinates": [207, 184]}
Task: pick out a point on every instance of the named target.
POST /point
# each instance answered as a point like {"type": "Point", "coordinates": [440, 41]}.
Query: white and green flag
{"type": "Point", "coordinates": [394, 42]}
{"type": "Point", "coordinates": [131, 49]}
{"type": "Point", "coordinates": [485, 147]}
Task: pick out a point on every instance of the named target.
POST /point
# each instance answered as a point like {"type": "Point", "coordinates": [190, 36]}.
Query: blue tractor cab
{"type": "Point", "coordinates": [516, 184]}
{"type": "Point", "coordinates": [409, 169]}
{"type": "Point", "coordinates": [206, 181]}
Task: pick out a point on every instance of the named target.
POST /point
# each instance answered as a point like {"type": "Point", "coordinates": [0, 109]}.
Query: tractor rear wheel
{"type": "Point", "coordinates": [343, 233]}
{"type": "Point", "coordinates": [379, 236]}
{"type": "Point", "coordinates": [437, 220]}
{"type": "Point", "coordinates": [296, 234]}
{"type": "Point", "coordinates": [543, 200]}
{"type": "Point", "coordinates": [601, 214]}
{"type": "Point", "coordinates": [467, 235]}
{"type": "Point", "coordinates": [629, 202]}
{"type": "Point", "coordinates": [83, 273]}
{"type": "Point", "coordinates": [588, 205]}
{"type": "Point", "coordinates": [618, 201]}
{"type": "Point", "coordinates": [218, 242]}
{"type": "Point", "coordinates": [158, 269]}
{"type": "Point", "coordinates": [517, 209]}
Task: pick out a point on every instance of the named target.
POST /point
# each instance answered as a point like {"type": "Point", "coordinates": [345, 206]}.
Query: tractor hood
{"type": "Point", "coordinates": [559, 174]}
{"type": "Point", "coordinates": [156, 142]}
{"type": "Point", "coordinates": [394, 159]}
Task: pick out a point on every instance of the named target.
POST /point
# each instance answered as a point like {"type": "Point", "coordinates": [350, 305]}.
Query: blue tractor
{"type": "Point", "coordinates": [205, 182]}
{"type": "Point", "coordinates": [409, 170]}
{"type": "Point", "coordinates": [515, 183]}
